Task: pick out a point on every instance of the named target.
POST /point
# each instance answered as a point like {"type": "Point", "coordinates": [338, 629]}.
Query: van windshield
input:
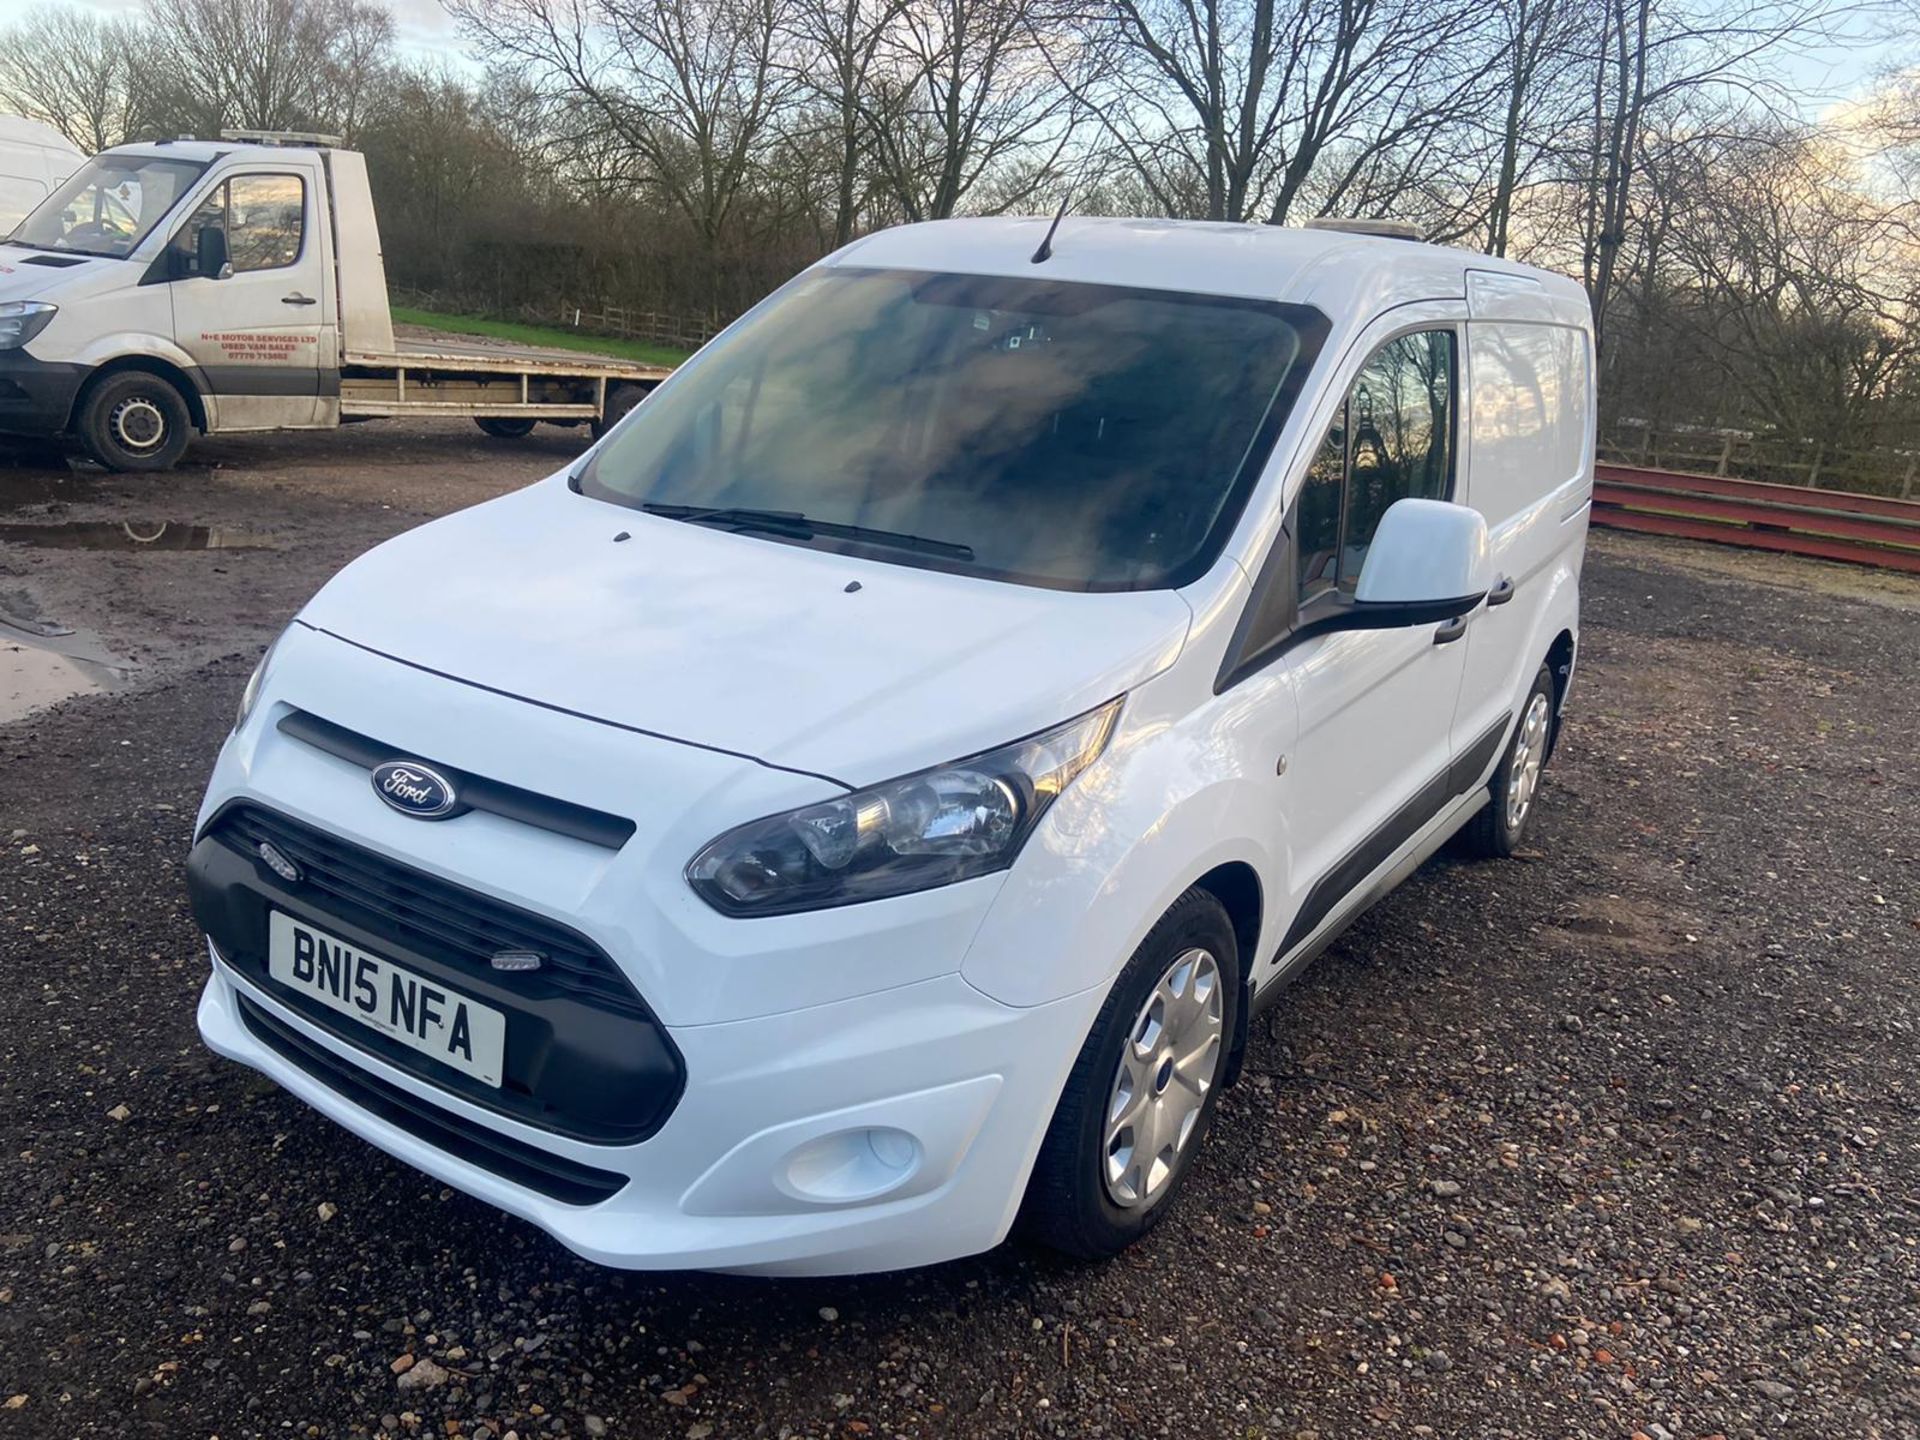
{"type": "Point", "coordinates": [1074, 436]}
{"type": "Point", "coordinates": [109, 205]}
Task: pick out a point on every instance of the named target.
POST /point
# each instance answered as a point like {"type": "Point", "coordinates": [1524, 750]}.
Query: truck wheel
{"type": "Point", "coordinates": [1497, 830]}
{"type": "Point", "coordinates": [622, 399]}
{"type": "Point", "coordinates": [135, 421]}
{"type": "Point", "coordinates": [1141, 1095]}
{"type": "Point", "coordinates": [505, 429]}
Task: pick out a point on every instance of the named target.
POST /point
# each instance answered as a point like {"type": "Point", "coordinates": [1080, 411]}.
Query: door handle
{"type": "Point", "coordinates": [1450, 631]}
{"type": "Point", "coordinates": [1502, 591]}
{"type": "Point", "coordinates": [298, 299]}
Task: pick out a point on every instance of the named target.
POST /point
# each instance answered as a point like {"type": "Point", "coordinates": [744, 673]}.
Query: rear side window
{"type": "Point", "coordinates": [1393, 439]}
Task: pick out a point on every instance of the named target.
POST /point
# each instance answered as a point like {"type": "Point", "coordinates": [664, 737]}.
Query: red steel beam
{"type": "Point", "coordinates": [1681, 482]}
{"type": "Point", "coordinates": [1815, 546]}
{"type": "Point", "coordinates": [1863, 528]}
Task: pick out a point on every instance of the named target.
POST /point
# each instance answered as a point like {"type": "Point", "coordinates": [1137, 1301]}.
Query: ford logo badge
{"type": "Point", "coordinates": [415, 789]}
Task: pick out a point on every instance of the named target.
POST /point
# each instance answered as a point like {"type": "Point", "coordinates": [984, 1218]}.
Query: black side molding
{"type": "Point", "coordinates": [1401, 826]}
{"type": "Point", "coordinates": [510, 802]}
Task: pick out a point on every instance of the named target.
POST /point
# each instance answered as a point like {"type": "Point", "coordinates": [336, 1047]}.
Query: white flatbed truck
{"type": "Point", "coordinates": [195, 286]}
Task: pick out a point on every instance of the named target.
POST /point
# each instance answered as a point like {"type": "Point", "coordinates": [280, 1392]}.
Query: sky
{"type": "Point", "coordinates": [424, 28]}
{"type": "Point", "coordinates": [1829, 76]}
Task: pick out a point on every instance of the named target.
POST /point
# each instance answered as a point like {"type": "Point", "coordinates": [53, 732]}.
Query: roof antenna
{"type": "Point", "coordinates": [1045, 252]}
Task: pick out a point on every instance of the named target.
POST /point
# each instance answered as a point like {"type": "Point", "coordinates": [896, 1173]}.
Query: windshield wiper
{"type": "Point", "coordinates": [793, 524]}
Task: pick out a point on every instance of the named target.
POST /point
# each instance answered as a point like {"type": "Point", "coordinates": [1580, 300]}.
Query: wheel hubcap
{"type": "Point", "coordinates": [1168, 1067]}
{"type": "Point", "coordinates": [1529, 754]}
{"type": "Point", "coordinates": [138, 424]}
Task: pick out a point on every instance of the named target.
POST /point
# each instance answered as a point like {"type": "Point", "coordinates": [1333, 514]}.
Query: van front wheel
{"type": "Point", "coordinates": [135, 421]}
{"type": "Point", "coordinates": [1142, 1092]}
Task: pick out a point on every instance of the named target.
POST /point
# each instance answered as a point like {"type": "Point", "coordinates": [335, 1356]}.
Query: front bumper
{"type": "Point", "coordinates": [36, 396]}
{"type": "Point", "coordinates": [887, 1131]}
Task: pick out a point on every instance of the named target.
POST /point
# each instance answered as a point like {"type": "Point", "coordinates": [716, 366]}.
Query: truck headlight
{"type": "Point", "coordinates": [21, 320]}
{"type": "Point", "coordinates": [932, 828]}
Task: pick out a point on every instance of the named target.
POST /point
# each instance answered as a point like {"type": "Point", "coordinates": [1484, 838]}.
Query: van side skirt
{"type": "Point", "coordinates": [1286, 970]}
{"type": "Point", "coordinates": [1406, 822]}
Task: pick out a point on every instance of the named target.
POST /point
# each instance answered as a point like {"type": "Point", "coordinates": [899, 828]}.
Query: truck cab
{"type": "Point", "coordinates": [238, 285]}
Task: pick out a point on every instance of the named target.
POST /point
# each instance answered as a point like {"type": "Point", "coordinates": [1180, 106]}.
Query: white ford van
{"type": "Point", "coordinates": [864, 801]}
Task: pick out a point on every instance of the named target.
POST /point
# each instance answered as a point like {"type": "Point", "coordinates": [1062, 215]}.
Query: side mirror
{"type": "Point", "coordinates": [210, 253]}
{"type": "Point", "coordinates": [1428, 563]}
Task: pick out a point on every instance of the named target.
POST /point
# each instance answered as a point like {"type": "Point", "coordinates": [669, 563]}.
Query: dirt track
{"type": "Point", "coordinates": [1623, 1136]}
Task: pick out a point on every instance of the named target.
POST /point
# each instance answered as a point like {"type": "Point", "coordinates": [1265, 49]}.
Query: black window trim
{"type": "Point", "coordinates": [1275, 593]}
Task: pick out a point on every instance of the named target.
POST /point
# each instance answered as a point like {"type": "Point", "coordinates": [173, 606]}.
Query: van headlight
{"type": "Point", "coordinates": [21, 320]}
{"type": "Point", "coordinates": [250, 696]}
{"type": "Point", "coordinates": [932, 828]}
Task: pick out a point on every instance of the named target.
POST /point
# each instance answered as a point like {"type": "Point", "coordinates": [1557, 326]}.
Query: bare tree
{"type": "Point", "coordinates": [1540, 53]}
{"type": "Point", "coordinates": [266, 64]}
{"type": "Point", "coordinates": [1791, 279]}
{"type": "Point", "coordinates": [1650, 55]}
{"type": "Point", "coordinates": [1245, 100]}
{"type": "Point", "coordinates": [681, 94]}
{"type": "Point", "coordinates": [837, 45]}
{"type": "Point", "coordinates": [78, 72]}
{"type": "Point", "coordinates": [963, 92]}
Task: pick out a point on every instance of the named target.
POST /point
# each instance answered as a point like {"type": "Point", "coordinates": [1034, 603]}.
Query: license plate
{"type": "Point", "coordinates": [447, 1026]}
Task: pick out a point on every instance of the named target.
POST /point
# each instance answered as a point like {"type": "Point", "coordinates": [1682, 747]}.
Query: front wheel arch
{"type": "Point", "coordinates": [151, 365]}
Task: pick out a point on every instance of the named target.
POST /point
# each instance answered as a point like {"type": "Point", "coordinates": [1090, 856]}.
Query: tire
{"type": "Point", "coordinates": [505, 429]}
{"type": "Point", "coordinates": [1501, 825]}
{"type": "Point", "coordinates": [135, 421]}
{"type": "Point", "coordinates": [1092, 1193]}
{"type": "Point", "coordinates": [622, 399]}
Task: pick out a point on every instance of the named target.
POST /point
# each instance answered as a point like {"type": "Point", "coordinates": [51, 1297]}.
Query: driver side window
{"type": "Point", "coordinates": [1391, 439]}
{"type": "Point", "coordinates": [261, 217]}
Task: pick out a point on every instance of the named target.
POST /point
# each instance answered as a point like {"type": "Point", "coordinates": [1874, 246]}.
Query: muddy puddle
{"type": "Point", "coordinates": [37, 669]}
{"type": "Point", "coordinates": [132, 535]}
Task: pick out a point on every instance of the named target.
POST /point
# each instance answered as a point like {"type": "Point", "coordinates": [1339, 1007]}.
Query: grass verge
{"type": "Point", "coordinates": [636, 350]}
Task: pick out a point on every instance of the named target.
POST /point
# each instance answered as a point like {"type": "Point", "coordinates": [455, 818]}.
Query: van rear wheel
{"type": "Point", "coordinates": [502, 429]}
{"type": "Point", "coordinates": [1142, 1092]}
{"type": "Point", "coordinates": [1500, 826]}
{"type": "Point", "coordinates": [135, 421]}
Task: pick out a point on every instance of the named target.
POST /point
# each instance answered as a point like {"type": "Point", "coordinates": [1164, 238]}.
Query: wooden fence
{"type": "Point", "coordinates": [654, 326]}
{"type": "Point", "coordinates": [1773, 459]}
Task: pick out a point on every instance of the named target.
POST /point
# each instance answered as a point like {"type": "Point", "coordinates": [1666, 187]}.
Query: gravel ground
{"type": "Point", "coordinates": [1618, 1138]}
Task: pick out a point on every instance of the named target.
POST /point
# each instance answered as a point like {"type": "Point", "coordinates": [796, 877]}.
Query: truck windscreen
{"type": "Point", "coordinates": [1070, 435]}
{"type": "Point", "coordinates": [109, 205]}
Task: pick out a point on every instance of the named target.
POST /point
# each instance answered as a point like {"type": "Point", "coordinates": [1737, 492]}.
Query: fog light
{"type": "Point", "coordinates": [278, 863]}
{"type": "Point", "coordinates": [850, 1166]}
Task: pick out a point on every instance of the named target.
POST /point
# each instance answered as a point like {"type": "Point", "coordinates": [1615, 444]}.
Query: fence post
{"type": "Point", "coordinates": [1906, 485]}
{"type": "Point", "coordinates": [1813, 473]}
{"type": "Point", "coordinates": [1726, 453]}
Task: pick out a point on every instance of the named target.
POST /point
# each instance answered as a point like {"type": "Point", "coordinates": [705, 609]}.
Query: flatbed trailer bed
{"type": "Point", "coordinates": [443, 377]}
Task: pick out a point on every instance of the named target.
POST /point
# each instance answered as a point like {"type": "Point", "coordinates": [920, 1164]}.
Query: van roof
{"type": "Point", "coordinates": [1336, 271]}
{"type": "Point", "coordinates": [16, 130]}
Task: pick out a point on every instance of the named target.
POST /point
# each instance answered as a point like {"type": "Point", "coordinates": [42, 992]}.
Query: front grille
{"type": "Point", "coordinates": [526, 1165]}
{"type": "Point", "coordinates": [423, 911]}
